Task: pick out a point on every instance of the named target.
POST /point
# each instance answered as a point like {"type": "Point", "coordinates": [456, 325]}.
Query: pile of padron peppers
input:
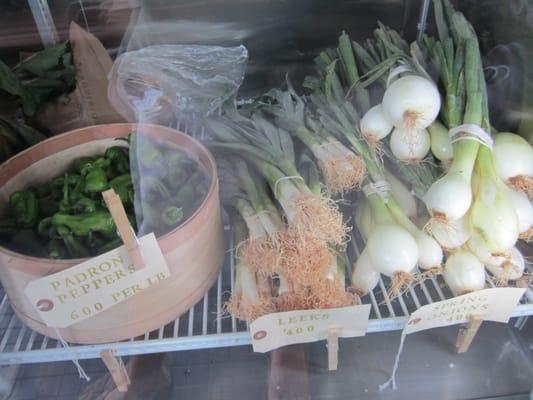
{"type": "Point", "coordinates": [67, 217]}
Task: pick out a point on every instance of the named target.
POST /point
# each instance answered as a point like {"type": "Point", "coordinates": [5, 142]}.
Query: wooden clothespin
{"type": "Point", "coordinates": [467, 333]}
{"type": "Point", "coordinates": [125, 230]}
{"type": "Point", "coordinates": [117, 369]}
{"type": "Point", "coordinates": [333, 348]}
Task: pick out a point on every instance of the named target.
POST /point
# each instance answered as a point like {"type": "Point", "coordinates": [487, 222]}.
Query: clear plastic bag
{"type": "Point", "coordinates": [168, 83]}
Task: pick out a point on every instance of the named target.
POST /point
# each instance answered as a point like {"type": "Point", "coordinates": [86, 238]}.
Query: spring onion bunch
{"type": "Point", "coordinates": [390, 229]}
{"type": "Point", "coordinates": [473, 194]}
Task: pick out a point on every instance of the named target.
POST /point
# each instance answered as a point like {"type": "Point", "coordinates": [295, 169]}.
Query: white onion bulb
{"type": "Point", "coordinates": [364, 276]}
{"type": "Point", "coordinates": [441, 143]}
{"type": "Point", "coordinates": [449, 197]}
{"type": "Point", "coordinates": [492, 218]}
{"type": "Point", "coordinates": [411, 102]}
{"type": "Point", "coordinates": [429, 252]}
{"type": "Point", "coordinates": [375, 124]}
{"type": "Point", "coordinates": [464, 273]}
{"type": "Point", "coordinates": [523, 208]}
{"type": "Point", "coordinates": [450, 235]}
{"type": "Point", "coordinates": [410, 145]}
{"type": "Point", "coordinates": [510, 270]}
{"type": "Point", "coordinates": [485, 256]}
{"type": "Point", "coordinates": [513, 156]}
{"type": "Point", "coordinates": [392, 249]}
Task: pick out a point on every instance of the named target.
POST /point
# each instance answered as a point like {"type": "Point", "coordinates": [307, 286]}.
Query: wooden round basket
{"type": "Point", "coordinates": [194, 251]}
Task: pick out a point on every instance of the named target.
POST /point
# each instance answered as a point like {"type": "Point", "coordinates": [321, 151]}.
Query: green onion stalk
{"type": "Point", "coordinates": [341, 168]}
{"type": "Point", "coordinates": [471, 186]}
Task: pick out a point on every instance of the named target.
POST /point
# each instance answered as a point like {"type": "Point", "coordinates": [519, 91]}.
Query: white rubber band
{"type": "Point", "coordinates": [471, 132]}
{"type": "Point", "coordinates": [400, 69]}
{"type": "Point", "coordinates": [284, 179]}
{"type": "Point", "coordinates": [257, 215]}
{"type": "Point", "coordinates": [381, 188]}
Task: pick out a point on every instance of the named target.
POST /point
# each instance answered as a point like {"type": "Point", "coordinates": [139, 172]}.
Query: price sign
{"type": "Point", "coordinates": [87, 289]}
{"type": "Point", "coordinates": [496, 304]}
{"type": "Point", "coordinates": [281, 329]}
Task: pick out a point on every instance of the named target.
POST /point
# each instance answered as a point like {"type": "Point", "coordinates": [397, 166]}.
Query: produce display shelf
{"type": "Point", "coordinates": [206, 325]}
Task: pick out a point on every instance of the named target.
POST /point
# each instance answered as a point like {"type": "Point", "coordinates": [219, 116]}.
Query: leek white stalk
{"type": "Point", "coordinates": [410, 145]}
{"type": "Point", "coordinates": [513, 161]}
{"type": "Point", "coordinates": [464, 273]}
{"type": "Point", "coordinates": [411, 102]}
{"type": "Point", "coordinates": [375, 124]}
{"type": "Point", "coordinates": [441, 144]}
{"type": "Point", "coordinates": [365, 277]}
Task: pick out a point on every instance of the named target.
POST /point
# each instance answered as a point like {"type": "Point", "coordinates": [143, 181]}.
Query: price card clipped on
{"type": "Point", "coordinates": [303, 326]}
{"type": "Point", "coordinates": [87, 289]}
{"type": "Point", "coordinates": [496, 304]}
{"type": "Point", "coordinates": [70, 296]}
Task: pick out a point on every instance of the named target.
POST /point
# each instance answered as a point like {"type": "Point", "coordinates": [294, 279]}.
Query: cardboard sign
{"type": "Point", "coordinates": [496, 304]}
{"type": "Point", "coordinates": [281, 329]}
{"type": "Point", "coordinates": [87, 289]}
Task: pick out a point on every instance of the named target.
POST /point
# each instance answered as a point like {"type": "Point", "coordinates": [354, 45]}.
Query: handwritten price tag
{"type": "Point", "coordinates": [87, 289]}
{"type": "Point", "coordinates": [496, 304]}
{"type": "Point", "coordinates": [281, 329]}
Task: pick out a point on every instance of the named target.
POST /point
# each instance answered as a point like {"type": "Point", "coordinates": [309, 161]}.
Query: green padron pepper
{"type": "Point", "coordinates": [123, 185]}
{"type": "Point", "coordinates": [149, 154]}
{"type": "Point", "coordinates": [46, 229]}
{"type": "Point", "coordinates": [171, 216]}
{"type": "Point", "coordinates": [75, 248]}
{"type": "Point", "coordinates": [25, 207]}
{"type": "Point", "coordinates": [96, 180]}
{"type": "Point", "coordinates": [153, 188]}
{"type": "Point", "coordinates": [82, 225]}
{"type": "Point", "coordinates": [83, 163]}
{"type": "Point", "coordinates": [119, 159]}
{"type": "Point", "coordinates": [84, 205]}
{"type": "Point", "coordinates": [68, 179]}
{"type": "Point", "coordinates": [55, 249]}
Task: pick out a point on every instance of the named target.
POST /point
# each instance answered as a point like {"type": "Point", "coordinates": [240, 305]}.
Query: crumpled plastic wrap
{"type": "Point", "coordinates": [168, 83]}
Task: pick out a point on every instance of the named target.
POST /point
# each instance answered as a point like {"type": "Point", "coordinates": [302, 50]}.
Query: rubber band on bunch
{"type": "Point", "coordinates": [285, 178]}
{"type": "Point", "coordinates": [400, 69]}
{"type": "Point", "coordinates": [471, 132]}
{"type": "Point", "coordinates": [381, 188]}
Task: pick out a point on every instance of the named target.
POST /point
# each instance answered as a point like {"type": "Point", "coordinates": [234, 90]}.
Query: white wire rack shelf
{"type": "Point", "coordinates": [205, 325]}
